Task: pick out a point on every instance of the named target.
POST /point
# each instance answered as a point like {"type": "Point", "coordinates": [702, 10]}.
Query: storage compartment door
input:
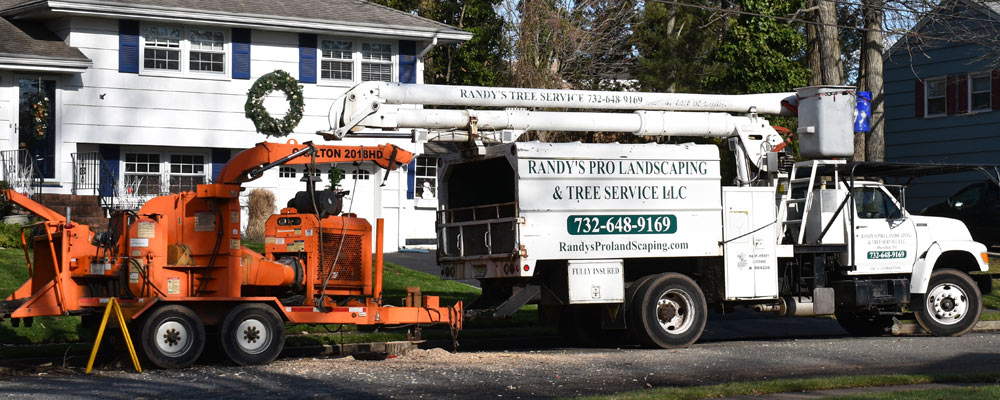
{"type": "Point", "coordinates": [750, 240]}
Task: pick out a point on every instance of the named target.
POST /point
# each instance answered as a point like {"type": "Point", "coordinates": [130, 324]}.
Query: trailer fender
{"type": "Point", "coordinates": [211, 310]}
{"type": "Point", "coordinates": [924, 266]}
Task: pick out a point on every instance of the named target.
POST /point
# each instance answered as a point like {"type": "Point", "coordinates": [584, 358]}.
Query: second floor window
{"type": "Point", "coordinates": [178, 50]}
{"type": "Point", "coordinates": [937, 103]}
{"type": "Point", "coordinates": [163, 48]}
{"type": "Point", "coordinates": [980, 92]}
{"type": "Point", "coordinates": [376, 62]}
{"type": "Point", "coordinates": [352, 61]}
{"type": "Point", "coordinates": [337, 60]}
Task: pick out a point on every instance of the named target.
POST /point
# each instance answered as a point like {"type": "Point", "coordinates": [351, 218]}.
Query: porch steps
{"type": "Point", "coordinates": [85, 210]}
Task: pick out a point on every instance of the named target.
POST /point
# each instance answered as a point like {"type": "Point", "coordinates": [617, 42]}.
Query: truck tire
{"type": "Point", "coordinates": [864, 323]}
{"type": "Point", "coordinates": [668, 311]}
{"type": "Point", "coordinates": [952, 305]}
{"type": "Point", "coordinates": [252, 334]}
{"type": "Point", "coordinates": [172, 336]}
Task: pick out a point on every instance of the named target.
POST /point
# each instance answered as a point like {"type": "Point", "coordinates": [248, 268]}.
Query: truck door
{"type": "Point", "coordinates": [885, 240]}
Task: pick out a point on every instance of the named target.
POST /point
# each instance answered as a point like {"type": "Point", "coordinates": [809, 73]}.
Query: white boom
{"type": "Point", "coordinates": [383, 105]}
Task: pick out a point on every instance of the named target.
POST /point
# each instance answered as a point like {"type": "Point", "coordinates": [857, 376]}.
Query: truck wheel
{"type": "Point", "coordinates": [862, 323]}
{"type": "Point", "coordinates": [952, 304]}
{"type": "Point", "coordinates": [668, 311]}
{"type": "Point", "coordinates": [172, 336]}
{"type": "Point", "coordinates": [252, 334]}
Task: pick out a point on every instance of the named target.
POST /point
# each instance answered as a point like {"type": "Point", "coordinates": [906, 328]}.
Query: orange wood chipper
{"type": "Point", "coordinates": [177, 265]}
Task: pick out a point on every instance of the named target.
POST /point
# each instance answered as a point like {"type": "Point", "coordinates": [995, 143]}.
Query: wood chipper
{"type": "Point", "coordinates": [177, 265]}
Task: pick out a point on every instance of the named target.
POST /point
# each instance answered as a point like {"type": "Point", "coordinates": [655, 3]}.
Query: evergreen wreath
{"type": "Point", "coordinates": [262, 120]}
{"type": "Point", "coordinates": [39, 114]}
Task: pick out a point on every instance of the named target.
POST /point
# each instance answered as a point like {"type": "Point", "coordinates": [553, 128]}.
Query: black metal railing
{"type": "Point", "coordinates": [93, 176]}
{"type": "Point", "coordinates": [21, 171]}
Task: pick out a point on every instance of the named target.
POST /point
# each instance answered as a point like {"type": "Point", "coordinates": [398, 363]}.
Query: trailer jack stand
{"type": "Point", "coordinates": [113, 307]}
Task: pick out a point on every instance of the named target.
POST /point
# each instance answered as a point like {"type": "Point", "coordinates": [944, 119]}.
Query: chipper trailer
{"type": "Point", "coordinates": [177, 266]}
{"type": "Point", "coordinates": [643, 239]}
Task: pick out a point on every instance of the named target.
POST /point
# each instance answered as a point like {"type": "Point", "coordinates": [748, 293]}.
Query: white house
{"type": "Point", "coordinates": [147, 96]}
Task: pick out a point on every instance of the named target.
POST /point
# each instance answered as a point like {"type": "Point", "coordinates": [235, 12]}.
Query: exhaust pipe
{"type": "Point", "coordinates": [789, 306]}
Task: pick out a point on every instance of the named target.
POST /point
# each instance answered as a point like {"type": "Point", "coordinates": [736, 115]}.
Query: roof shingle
{"type": "Point", "coordinates": [32, 40]}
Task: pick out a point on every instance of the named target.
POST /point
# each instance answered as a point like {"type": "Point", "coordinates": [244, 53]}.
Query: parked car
{"type": "Point", "coordinates": [978, 206]}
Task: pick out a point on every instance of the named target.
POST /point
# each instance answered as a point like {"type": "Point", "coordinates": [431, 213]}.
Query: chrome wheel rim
{"type": "Point", "coordinates": [675, 311]}
{"type": "Point", "coordinates": [173, 338]}
{"type": "Point", "coordinates": [947, 304]}
{"type": "Point", "coordinates": [252, 336]}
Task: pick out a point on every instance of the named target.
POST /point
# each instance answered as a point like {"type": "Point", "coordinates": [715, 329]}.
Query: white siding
{"type": "Point", "coordinates": [141, 111]}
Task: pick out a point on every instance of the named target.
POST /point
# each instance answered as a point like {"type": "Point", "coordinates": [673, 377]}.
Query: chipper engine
{"type": "Point", "coordinates": [177, 265]}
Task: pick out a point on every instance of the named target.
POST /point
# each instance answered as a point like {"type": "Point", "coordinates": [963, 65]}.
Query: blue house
{"type": "Point", "coordinates": [942, 97]}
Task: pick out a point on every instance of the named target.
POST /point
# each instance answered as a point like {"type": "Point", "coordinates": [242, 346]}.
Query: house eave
{"type": "Point", "coordinates": [188, 16]}
{"type": "Point", "coordinates": [38, 64]}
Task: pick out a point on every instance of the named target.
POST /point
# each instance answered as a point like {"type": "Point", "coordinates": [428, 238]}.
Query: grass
{"type": "Point", "coordinates": [14, 272]}
{"type": "Point", "coordinates": [756, 388]}
{"type": "Point", "coordinates": [988, 392]}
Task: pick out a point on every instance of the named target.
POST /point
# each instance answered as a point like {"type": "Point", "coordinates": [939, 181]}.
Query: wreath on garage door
{"type": "Point", "coordinates": [262, 120]}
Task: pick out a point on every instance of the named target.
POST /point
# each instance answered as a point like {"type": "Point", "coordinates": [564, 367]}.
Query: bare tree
{"type": "Point", "coordinates": [871, 78]}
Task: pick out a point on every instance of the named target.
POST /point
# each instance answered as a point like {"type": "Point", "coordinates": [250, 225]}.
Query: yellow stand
{"type": "Point", "coordinates": [113, 305]}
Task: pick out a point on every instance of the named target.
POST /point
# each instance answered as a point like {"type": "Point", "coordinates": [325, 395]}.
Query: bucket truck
{"type": "Point", "coordinates": [642, 239]}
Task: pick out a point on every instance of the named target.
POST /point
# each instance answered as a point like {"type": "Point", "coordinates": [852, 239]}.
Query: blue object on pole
{"type": "Point", "coordinates": [863, 113]}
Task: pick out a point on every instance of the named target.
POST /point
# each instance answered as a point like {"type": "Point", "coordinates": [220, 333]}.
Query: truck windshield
{"type": "Point", "coordinates": [873, 203]}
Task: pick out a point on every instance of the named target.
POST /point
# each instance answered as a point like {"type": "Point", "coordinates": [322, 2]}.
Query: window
{"type": "Point", "coordinates": [376, 62]}
{"type": "Point", "coordinates": [979, 92]}
{"type": "Point", "coordinates": [968, 197]}
{"type": "Point", "coordinates": [186, 172]}
{"type": "Point", "coordinates": [286, 172]}
{"type": "Point", "coordinates": [347, 60]}
{"type": "Point", "coordinates": [142, 174]}
{"type": "Point", "coordinates": [425, 176]}
{"type": "Point", "coordinates": [181, 50]}
{"type": "Point", "coordinates": [162, 48]}
{"type": "Point", "coordinates": [873, 203]}
{"type": "Point", "coordinates": [337, 60]}
{"type": "Point", "coordinates": [208, 51]}
{"type": "Point", "coordinates": [361, 175]}
{"type": "Point", "coordinates": [937, 103]}
{"type": "Point", "coordinates": [153, 174]}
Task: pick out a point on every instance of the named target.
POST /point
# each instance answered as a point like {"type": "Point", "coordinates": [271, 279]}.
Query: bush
{"type": "Point", "coordinates": [260, 207]}
{"type": "Point", "coordinates": [6, 206]}
{"type": "Point", "coordinates": [10, 236]}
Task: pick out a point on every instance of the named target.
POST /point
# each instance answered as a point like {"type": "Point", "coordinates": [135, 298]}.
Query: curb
{"type": "Point", "coordinates": [367, 351]}
{"type": "Point", "coordinates": [914, 329]}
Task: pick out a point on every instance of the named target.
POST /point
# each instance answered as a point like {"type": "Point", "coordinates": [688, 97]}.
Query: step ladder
{"type": "Point", "coordinates": [799, 182]}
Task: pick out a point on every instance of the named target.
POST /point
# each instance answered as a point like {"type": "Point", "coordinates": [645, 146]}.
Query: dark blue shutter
{"type": "Point", "coordinates": [407, 61]}
{"type": "Point", "coordinates": [241, 53]}
{"type": "Point", "coordinates": [111, 155]}
{"type": "Point", "coordinates": [307, 58]}
{"type": "Point", "coordinates": [219, 159]}
{"type": "Point", "coordinates": [128, 46]}
{"type": "Point", "coordinates": [411, 177]}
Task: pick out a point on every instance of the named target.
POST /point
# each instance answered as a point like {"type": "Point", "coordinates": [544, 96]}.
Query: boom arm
{"type": "Point", "coordinates": [251, 163]}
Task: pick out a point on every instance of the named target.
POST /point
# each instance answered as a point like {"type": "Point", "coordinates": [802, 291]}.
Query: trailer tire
{"type": "Point", "coordinates": [252, 334]}
{"type": "Point", "coordinates": [952, 304]}
{"type": "Point", "coordinates": [172, 336]}
{"type": "Point", "coordinates": [860, 323]}
{"type": "Point", "coordinates": [668, 311]}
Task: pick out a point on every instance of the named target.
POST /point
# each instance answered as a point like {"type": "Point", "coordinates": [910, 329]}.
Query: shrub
{"type": "Point", "coordinates": [260, 207]}
{"type": "Point", "coordinates": [6, 206]}
{"type": "Point", "coordinates": [10, 236]}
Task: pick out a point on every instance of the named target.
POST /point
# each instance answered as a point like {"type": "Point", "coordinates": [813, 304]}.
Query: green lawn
{"type": "Point", "coordinates": [14, 272]}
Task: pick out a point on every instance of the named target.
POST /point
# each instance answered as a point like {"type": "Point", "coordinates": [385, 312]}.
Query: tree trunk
{"type": "Point", "coordinates": [815, 62]}
{"type": "Point", "coordinates": [872, 78]}
{"type": "Point", "coordinates": [829, 43]}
